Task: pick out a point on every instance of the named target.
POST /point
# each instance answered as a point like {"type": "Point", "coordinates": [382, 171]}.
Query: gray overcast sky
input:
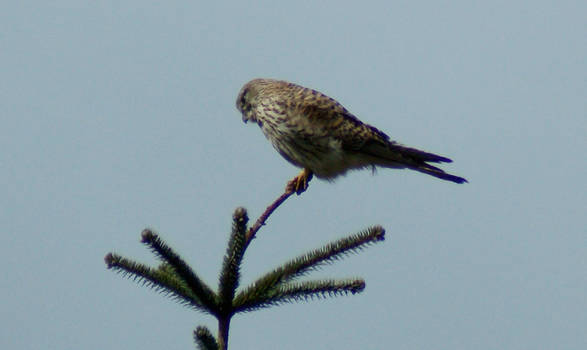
{"type": "Point", "coordinates": [116, 116]}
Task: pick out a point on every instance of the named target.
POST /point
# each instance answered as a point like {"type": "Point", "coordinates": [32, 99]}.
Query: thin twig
{"type": "Point", "coordinates": [298, 184]}
{"type": "Point", "coordinates": [270, 209]}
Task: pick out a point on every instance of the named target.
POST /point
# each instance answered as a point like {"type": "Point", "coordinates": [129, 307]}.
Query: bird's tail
{"type": "Point", "coordinates": [437, 172]}
{"type": "Point", "coordinates": [394, 155]}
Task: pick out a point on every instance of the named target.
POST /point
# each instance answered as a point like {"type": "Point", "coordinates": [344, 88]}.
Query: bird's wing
{"type": "Point", "coordinates": [328, 117]}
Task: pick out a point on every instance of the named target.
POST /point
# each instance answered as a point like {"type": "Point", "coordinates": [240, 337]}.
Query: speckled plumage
{"type": "Point", "coordinates": [316, 133]}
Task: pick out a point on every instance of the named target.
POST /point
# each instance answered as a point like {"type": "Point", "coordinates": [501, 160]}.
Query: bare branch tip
{"type": "Point", "coordinates": [147, 236]}
{"type": "Point", "coordinates": [109, 260]}
{"type": "Point", "coordinates": [358, 286]}
{"type": "Point", "coordinates": [380, 232]}
{"type": "Point", "coordinates": [240, 215]}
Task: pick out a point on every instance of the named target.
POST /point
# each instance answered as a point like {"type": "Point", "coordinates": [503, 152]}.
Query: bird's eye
{"type": "Point", "coordinates": [243, 99]}
{"type": "Point", "coordinates": [245, 106]}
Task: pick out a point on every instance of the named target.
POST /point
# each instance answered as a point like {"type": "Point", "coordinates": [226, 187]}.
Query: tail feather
{"type": "Point", "coordinates": [439, 173]}
{"type": "Point", "coordinates": [420, 155]}
{"type": "Point", "coordinates": [394, 155]}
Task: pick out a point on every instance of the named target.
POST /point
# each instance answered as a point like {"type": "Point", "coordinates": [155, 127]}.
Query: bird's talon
{"type": "Point", "coordinates": [299, 184]}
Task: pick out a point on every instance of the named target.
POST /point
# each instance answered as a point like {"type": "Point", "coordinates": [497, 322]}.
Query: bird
{"type": "Point", "coordinates": [316, 133]}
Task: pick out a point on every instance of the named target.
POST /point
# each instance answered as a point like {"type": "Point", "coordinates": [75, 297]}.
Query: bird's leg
{"type": "Point", "coordinates": [299, 183]}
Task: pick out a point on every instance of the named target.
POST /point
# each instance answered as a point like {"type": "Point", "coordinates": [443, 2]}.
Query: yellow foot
{"type": "Point", "coordinates": [299, 184]}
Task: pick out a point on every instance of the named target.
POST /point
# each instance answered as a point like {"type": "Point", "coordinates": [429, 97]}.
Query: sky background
{"type": "Point", "coordinates": [117, 116]}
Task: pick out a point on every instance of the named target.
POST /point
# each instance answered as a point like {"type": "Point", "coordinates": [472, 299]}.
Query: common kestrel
{"type": "Point", "coordinates": [316, 133]}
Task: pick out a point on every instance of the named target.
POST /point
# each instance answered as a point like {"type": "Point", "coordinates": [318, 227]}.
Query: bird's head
{"type": "Point", "coordinates": [247, 101]}
{"type": "Point", "coordinates": [251, 95]}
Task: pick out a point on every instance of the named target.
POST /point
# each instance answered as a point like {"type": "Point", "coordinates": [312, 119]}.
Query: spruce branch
{"type": "Point", "coordinates": [204, 339]}
{"type": "Point", "coordinates": [296, 292]}
{"type": "Point", "coordinates": [321, 289]}
{"type": "Point", "coordinates": [162, 280]}
{"type": "Point", "coordinates": [230, 273]}
{"type": "Point", "coordinates": [314, 260]}
{"type": "Point", "coordinates": [204, 293]}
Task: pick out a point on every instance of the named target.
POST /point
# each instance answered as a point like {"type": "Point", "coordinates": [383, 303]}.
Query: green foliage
{"type": "Point", "coordinates": [204, 339]}
{"type": "Point", "coordinates": [174, 278]}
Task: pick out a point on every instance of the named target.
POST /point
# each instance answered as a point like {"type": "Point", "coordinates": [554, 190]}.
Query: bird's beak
{"type": "Point", "coordinates": [245, 119]}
